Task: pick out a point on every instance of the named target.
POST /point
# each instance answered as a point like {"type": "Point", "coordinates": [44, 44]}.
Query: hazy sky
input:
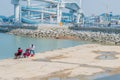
{"type": "Point", "coordinates": [89, 7]}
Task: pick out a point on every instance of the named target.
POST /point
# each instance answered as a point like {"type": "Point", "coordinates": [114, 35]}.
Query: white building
{"type": "Point", "coordinates": [46, 11]}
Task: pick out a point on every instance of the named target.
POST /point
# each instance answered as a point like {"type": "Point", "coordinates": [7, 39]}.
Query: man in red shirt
{"type": "Point", "coordinates": [19, 53]}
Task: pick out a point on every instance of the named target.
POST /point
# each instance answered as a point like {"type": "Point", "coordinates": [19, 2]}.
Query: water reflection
{"type": "Point", "coordinates": [105, 55]}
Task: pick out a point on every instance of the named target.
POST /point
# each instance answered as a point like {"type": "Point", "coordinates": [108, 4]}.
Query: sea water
{"type": "Point", "coordinates": [10, 43]}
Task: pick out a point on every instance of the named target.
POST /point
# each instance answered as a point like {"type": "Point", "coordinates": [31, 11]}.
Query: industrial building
{"type": "Point", "coordinates": [46, 11]}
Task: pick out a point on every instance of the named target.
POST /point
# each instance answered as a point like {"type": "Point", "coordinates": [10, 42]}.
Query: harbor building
{"type": "Point", "coordinates": [46, 11]}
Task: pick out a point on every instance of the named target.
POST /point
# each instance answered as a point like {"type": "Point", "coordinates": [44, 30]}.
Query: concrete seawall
{"type": "Point", "coordinates": [66, 33]}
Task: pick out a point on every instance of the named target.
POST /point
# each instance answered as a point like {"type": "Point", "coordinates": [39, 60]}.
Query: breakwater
{"type": "Point", "coordinates": [67, 33]}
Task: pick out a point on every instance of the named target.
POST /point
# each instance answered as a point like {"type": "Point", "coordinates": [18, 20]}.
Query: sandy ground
{"type": "Point", "coordinates": [70, 62]}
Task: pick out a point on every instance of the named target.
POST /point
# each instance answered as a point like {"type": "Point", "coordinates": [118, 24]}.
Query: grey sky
{"type": "Point", "coordinates": [6, 8]}
{"type": "Point", "coordinates": [89, 7]}
{"type": "Point", "coordinates": [100, 6]}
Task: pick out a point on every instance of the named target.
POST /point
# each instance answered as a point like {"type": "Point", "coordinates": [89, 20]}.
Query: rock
{"type": "Point", "coordinates": [66, 33]}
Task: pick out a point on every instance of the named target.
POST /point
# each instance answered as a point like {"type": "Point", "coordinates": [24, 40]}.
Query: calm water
{"type": "Point", "coordinates": [10, 43]}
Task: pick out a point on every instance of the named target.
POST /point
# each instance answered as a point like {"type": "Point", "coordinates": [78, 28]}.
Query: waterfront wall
{"type": "Point", "coordinates": [66, 33]}
{"type": "Point", "coordinates": [98, 29]}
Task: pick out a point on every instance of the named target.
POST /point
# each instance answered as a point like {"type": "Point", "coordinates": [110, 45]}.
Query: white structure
{"type": "Point", "coordinates": [16, 4]}
{"type": "Point", "coordinates": [54, 11]}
